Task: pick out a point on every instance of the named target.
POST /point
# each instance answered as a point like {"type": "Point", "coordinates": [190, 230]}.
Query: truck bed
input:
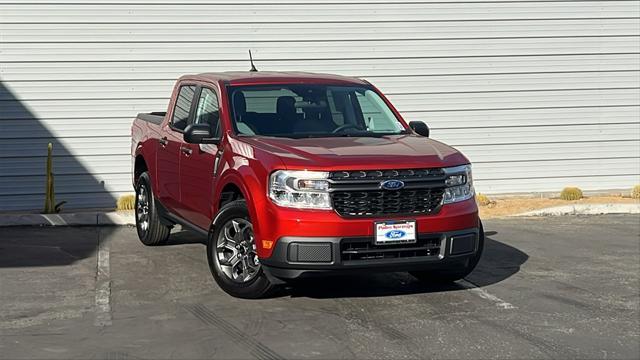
{"type": "Point", "coordinates": [152, 117]}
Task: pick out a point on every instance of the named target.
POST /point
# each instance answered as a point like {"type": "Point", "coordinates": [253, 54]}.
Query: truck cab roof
{"type": "Point", "coordinates": [274, 77]}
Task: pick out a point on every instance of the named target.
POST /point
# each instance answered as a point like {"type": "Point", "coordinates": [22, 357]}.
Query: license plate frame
{"type": "Point", "coordinates": [383, 232]}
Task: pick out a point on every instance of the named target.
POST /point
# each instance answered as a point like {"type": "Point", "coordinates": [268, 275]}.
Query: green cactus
{"type": "Point", "coordinates": [49, 197]}
{"type": "Point", "coordinates": [571, 193]}
{"type": "Point", "coordinates": [126, 202]}
{"type": "Point", "coordinates": [482, 199]}
{"type": "Point", "coordinates": [50, 206]}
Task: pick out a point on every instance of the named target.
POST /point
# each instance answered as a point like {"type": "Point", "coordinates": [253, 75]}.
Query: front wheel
{"type": "Point", "coordinates": [448, 276]}
{"type": "Point", "coordinates": [231, 251]}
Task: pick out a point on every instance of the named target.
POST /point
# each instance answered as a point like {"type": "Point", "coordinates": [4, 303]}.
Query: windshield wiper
{"type": "Point", "coordinates": [331, 135]}
{"type": "Point", "coordinates": [366, 134]}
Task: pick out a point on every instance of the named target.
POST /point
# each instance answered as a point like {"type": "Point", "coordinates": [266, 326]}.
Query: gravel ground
{"type": "Point", "coordinates": [507, 206]}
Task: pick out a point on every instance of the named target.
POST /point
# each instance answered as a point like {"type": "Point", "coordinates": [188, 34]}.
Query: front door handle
{"type": "Point", "coordinates": [163, 142]}
{"type": "Point", "coordinates": [185, 150]}
{"type": "Point", "coordinates": [216, 162]}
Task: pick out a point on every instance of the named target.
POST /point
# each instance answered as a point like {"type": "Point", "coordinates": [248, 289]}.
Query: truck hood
{"type": "Point", "coordinates": [336, 153]}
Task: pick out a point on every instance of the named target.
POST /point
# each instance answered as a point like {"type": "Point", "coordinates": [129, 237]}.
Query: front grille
{"type": "Point", "coordinates": [359, 193]}
{"type": "Point", "coordinates": [387, 202]}
{"type": "Point", "coordinates": [362, 249]}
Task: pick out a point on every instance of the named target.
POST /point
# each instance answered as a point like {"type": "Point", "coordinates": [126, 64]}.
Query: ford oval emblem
{"type": "Point", "coordinates": [395, 234]}
{"type": "Point", "coordinates": [392, 184]}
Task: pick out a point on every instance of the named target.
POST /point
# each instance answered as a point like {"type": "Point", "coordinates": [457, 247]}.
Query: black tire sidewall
{"type": "Point", "coordinates": [143, 180]}
{"type": "Point", "coordinates": [157, 233]}
{"type": "Point", "coordinates": [256, 287]}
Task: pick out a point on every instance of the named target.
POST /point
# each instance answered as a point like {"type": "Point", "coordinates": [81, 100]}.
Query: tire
{"type": "Point", "coordinates": [449, 276]}
{"type": "Point", "coordinates": [231, 251]}
{"type": "Point", "coordinates": [151, 231]}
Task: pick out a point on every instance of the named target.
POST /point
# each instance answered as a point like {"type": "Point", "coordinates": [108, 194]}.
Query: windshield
{"type": "Point", "coordinates": [297, 110]}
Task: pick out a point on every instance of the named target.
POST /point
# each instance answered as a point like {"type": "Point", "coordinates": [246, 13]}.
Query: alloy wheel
{"type": "Point", "coordinates": [142, 209]}
{"type": "Point", "coordinates": [236, 251]}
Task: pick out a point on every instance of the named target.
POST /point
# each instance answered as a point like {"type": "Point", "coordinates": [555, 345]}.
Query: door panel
{"type": "Point", "coordinates": [197, 178]}
{"type": "Point", "coordinates": [197, 182]}
{"type": "Point", "coordinates": [168, 158]}
{"type": "Point", "coordinates": [168, 167]}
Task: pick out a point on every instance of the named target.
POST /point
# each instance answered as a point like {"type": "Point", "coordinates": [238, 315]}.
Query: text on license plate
{"type": "Point", "coordinates": [395, 232]}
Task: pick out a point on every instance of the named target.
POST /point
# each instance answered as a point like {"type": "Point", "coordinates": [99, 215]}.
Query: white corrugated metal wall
{"type": "Point", "coordinates": [539, 94]}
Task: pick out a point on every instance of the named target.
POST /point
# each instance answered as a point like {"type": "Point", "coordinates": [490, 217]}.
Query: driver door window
{"type": "Point", "coordinates": [207, 111]}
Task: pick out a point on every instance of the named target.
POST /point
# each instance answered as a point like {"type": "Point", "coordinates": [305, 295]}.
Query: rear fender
{"type": "Point", "coordinates": [146, 150]}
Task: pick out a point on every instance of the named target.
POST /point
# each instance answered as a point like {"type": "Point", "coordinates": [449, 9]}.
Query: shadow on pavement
{"type": "Point", "coordinates": [185, 237]}
{"type": "Point", "coordinates": [28, 246]}
{"type": "Point", "coordinates": [23, 151]}
{"type": "Point", "coordinates": [499, 262]}
{"type": "Point", "coordinates": [65, 245]}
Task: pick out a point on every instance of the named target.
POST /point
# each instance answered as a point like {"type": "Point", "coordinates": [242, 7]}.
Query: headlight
{"type": "Point", "coordinates": [300, 189]}
{"type": "Point", "coordinates": [459, 184]}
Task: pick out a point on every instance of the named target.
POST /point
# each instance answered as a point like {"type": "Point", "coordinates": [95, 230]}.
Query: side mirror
{"type": "Point", "coordinates": [199, 134]}
{"type": "Point", "coordinates": [420, 128]}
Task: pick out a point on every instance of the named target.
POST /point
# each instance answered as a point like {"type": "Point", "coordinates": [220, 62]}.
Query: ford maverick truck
{"type": "Point", "coordinates": [292, 175]}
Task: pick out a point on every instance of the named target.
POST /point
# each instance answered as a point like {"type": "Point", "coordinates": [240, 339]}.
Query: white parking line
{"type": "Point", "coordinates": [485, 295]}
{"type": "Point", "coordinates": [103, 285]}
{"type": "Point", "coordinates": [54, 219]}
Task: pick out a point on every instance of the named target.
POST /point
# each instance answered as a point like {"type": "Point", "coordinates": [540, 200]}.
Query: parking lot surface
{"type": "Point", "coordinates": [565, 287]}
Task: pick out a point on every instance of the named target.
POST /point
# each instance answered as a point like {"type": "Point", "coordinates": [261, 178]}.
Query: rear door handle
{"type": "Point", "coordinates": [185, 150]}
{"type": "Point", "coordinates": [163, 142]}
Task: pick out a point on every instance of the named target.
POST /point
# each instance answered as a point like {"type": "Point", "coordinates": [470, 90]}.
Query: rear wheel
{"type": "Point", "coordinates": [150, 230]}
{"type": "Point", "coordinates": [231, 251]}
{"type": "Point", "coordinates": [447, 276]}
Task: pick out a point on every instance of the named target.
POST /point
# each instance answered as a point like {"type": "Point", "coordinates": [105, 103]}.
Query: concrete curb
{"type": "Point", "coordinates": [585, 209]}
{"type": "Point", "coordinates": [93, 218]}
{"type": "Point", "coordinates": [102, 218]}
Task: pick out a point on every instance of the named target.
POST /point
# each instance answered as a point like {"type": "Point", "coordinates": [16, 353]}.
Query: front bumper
{"type": "Point", "coordinates": [296, 257]}
{"type": "Point", "coordinates": [273, 223]}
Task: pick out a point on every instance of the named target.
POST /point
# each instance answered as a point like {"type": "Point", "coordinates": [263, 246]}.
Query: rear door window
{"type": "Point", "coordinates": [183, 106]}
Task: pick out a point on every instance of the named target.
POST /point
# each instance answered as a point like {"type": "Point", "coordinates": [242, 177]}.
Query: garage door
{"type": "Point", "coordinates": [538, 94]}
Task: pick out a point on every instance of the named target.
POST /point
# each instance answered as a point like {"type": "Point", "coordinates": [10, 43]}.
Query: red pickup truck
{"type": "Point", "coordinates": [291, 175]}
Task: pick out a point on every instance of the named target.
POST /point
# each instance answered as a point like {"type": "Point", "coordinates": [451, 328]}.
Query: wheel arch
{"type": "Point", "coordinates": [143, 159]}
{"type": "Point", "coordinates": [140, 166]}
{"type": "Point", "coordinates": [233, 186]}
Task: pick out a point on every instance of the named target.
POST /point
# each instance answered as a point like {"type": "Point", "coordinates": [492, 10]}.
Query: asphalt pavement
{"type": "Point", "coordinates": [560, 287]}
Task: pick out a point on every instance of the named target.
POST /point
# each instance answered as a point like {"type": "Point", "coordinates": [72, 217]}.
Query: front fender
{"type": "Point", "coordinates": [252, 185]}
{"type": "Point", "coordinates": [248, 168]}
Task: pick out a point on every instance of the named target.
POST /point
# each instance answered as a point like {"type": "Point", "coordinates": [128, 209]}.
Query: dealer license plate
{"type": "Point", "coordinates": [395, 232]}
